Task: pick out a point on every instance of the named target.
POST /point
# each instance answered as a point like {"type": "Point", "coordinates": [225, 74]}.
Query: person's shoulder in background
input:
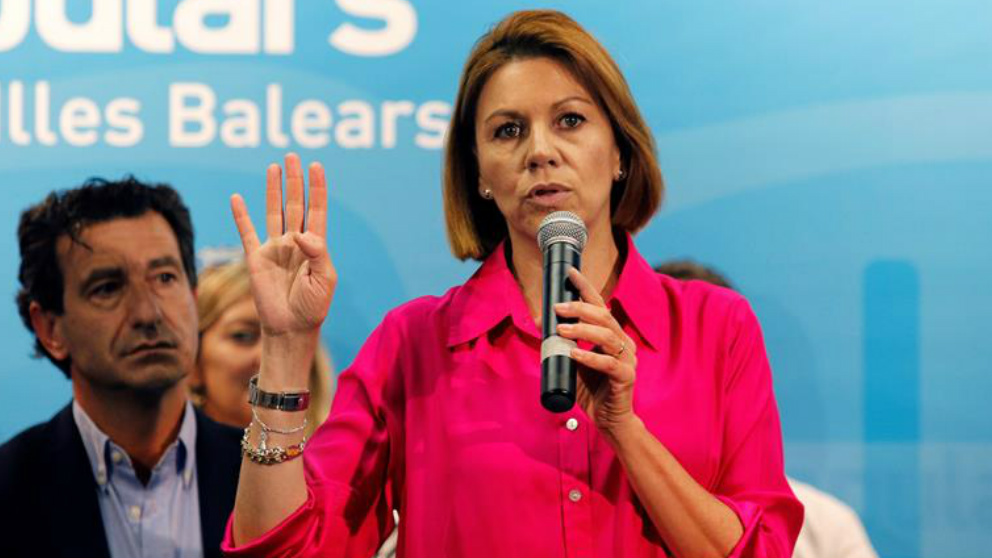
{"type": "Point", "coordinates": [831, 529]}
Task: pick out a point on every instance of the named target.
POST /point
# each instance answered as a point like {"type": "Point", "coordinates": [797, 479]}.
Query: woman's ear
{"type": "Point", "coordinates": [485, 192]}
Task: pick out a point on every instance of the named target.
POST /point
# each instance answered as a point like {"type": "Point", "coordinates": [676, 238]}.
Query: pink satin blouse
{"type": "Point", "coordinates": [439, 417]}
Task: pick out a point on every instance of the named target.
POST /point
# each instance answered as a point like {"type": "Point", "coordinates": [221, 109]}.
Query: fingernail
{"type": "Point", "coordinates": [562, 306]}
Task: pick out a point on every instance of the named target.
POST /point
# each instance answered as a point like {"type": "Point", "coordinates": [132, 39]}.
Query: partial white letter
{"type": "Point", "coordinates": [15, 20]}
{"type": "Point", "coordinates": [242, 126]}
{"type": "Point", "coordinates": [126, 126]}
{"type": "Point", "coordinates": [77, 119]}
{"type": "Point", "coordinates": [357, 131]}
{"type": "Point", "coordinates": [42, 107]}
{"type": "Point", "coordinates": [143, 29]}
{"type": "Point", "coordinates": [200, 113]}
{"type": "Point", "coordinates": [391, 112]}
{"type": "Point", "coordinates": [239, 36]}
{"type": "Point", "coordinates": [310, 122]}
{"type": "Point", "coordinates": [15, 112]}
{"type": "Point", "coordinates": [279, 23]}
{"type": "Point", "coordinates": [104, 32]}
{"type": "Point", "coordinates": [273, 116]}
{"type": "Point", "coordinates": [399, 31]}
{"type": "Point", "coordinates": [432, 116]}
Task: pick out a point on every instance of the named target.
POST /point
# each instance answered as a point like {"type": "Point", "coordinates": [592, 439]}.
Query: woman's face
{"type": "Point", "coordinates": [543, 145]}
{"type": "Point", "coordinates": [230, 351]}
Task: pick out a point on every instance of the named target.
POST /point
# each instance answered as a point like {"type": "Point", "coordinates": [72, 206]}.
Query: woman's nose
{"type": "Point", "coordinates": [541, 149]}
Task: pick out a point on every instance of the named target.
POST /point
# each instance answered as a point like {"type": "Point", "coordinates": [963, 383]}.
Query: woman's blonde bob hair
{"type": "Point", "coordinates": [475, 225]}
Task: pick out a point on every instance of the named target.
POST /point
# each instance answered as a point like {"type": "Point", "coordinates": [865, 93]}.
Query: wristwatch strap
{"type": "Point", "coordinates": [282, 401]}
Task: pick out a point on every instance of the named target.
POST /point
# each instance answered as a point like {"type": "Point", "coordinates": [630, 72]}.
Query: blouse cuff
{"type": "Point", "coordinates": [749, 514]}
{"type": "Point", "coordinates": [281, 540]}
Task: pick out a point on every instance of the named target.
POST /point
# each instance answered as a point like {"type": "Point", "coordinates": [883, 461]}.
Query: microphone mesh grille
{"type": "Point", "coordinates": [562, 226]}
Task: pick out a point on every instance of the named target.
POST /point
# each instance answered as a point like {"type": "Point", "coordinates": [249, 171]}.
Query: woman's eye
{"type": "Point", "coordinates": [508, 130]}
{"type": "Point", "coordinates": [572, 120]}
{"type": "Point", "coordinates": [245, 337]}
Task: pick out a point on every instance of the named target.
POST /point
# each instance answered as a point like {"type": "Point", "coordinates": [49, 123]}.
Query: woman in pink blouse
{"type": "Point", "coordinates": [674, 448]}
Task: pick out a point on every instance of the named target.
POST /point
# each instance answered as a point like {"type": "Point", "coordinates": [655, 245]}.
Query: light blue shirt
{"type": "Point", "coordinates": [157, 520]}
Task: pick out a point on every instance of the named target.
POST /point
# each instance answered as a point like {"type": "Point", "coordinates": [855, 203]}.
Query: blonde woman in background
{"type": "Point", "coordinates": [230, 349]}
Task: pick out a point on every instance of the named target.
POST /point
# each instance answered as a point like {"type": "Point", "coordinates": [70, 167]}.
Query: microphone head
{"type": "Point", "coordinates": [562, 226]}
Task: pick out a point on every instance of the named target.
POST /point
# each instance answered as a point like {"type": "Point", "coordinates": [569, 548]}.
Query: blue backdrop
{"type": "Point", "coordinates": [833, 159]}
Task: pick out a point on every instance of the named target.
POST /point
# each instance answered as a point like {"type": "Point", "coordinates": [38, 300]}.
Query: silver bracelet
{"type": "Point", "coordinates": [282, 401]}
{"type": "Point", "coordinates": [266, 428]}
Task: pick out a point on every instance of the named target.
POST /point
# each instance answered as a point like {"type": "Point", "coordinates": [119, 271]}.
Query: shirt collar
{"type": "Point", "coordinates": [641, 296]}
{"type": "Point", "coordinates": [492, 294]}
{"type": "Point", "coordinates": [99, 447]}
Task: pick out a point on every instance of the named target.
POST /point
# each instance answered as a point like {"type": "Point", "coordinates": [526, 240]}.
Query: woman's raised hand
{"type": "Point", "coordinates": [292, 277]}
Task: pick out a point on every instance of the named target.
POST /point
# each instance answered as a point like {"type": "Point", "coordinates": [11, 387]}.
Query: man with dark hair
{"type": "Point", "coordinates": [128, 469]}
{"type": "Point", "coordinates": [688, 270]}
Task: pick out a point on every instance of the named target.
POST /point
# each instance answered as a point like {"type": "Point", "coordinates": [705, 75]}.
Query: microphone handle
{"type": "Point", "coordinates": [558, 382]}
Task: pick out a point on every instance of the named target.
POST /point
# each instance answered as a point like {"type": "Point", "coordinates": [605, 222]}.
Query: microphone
{"type": "Point", "coordinates": [561, 236]}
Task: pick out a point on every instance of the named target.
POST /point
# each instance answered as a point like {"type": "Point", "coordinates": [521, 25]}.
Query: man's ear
{"type": "Point", "coordinates": [47, 326]}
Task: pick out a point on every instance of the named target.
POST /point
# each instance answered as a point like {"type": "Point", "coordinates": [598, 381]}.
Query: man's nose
{"type": "Point", "coordinates": [145, 307]}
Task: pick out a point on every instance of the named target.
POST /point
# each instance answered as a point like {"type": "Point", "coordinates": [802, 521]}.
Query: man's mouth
{"type": "Point", "coordinates": [151, 347]}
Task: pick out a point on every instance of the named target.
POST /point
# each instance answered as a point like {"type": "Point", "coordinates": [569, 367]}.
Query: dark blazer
{"type": "Point", "coordinates": [48, 496]}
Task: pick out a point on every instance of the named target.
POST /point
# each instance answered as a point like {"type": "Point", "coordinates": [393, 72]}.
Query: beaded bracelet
{"type": "Point", "coordinates": [264, 455]}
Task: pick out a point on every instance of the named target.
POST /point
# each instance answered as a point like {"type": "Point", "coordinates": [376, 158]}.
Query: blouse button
{"type": "Point", "coordinates": [575, 495]}
{"type": "Point", "coordinates": [571, 424]}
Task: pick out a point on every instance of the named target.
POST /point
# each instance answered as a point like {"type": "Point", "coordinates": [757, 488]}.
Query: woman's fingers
{"type": "Point", "coordinates": [596, 323]}
{"type": "Point", "coordinates": [590, 314]}
{"type": "Point", "coordinates": [587, 291]}
{"type": "Point", "coordinates": [606, 364]}
{"type": "Point", "coordinates": [295, 199]}
{"type": "Point", "coordinates": [611, 343]}
{"type": "Point", "coordinates": [291, 219]}
{"type": "Point", "coordinates": [317, 216]}
{"type": "Point", "coordinates": [311, 245]}
{"type": "Point", "coordinates": [249, 240]}
{"type": "Point", "coordinates": [279, 222]}
{"type": "Point", "coordinates": [273, 201]}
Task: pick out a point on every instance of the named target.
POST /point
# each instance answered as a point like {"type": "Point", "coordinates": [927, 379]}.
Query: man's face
{"type": "Point", "coordinates": [130, 315]}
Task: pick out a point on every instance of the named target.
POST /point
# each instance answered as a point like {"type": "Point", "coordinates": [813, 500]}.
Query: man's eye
{"type": "Point", "coordinates": [105, 290]}
{"type": "Point", "coordinates": [572, 120]}
{"type": "Point", "coordinates": [167, 277]}
{"type": "Point", "coordinates": [508, 130]}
